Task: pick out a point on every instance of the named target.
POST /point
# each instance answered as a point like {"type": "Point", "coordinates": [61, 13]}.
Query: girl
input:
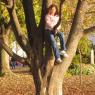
{"type": "Point", "coordinates": [51, 20]}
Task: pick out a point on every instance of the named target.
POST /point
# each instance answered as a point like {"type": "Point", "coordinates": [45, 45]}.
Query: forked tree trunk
{"type": "Point", "coordinates": [55, 86]}
{"type": "Point", "coordinates": [76, 33]}
{"type": "Point", "coordinates": [52, 84]}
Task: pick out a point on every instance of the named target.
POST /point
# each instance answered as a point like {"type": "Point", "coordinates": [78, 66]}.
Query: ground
{"type": "Point", "coordinates": [21, 83]}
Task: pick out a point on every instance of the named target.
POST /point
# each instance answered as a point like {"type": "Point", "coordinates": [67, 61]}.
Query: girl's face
{"type": "Point", "coordinates": [52, 11]}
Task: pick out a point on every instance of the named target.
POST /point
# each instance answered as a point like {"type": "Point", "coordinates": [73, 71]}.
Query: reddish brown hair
{"type": "Point", "coordinates": [50, 7]}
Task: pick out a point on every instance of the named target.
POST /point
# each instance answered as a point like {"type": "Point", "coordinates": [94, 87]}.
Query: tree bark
{"type": "Point", "coordinates": [55, 86]}
{"type": "Point", "coordinates": [76, 33]}
{"type": "Point", "coordinates": [0, 61]}
{"type": "Point", "coordinates": [21, 39]}
{"type": "Point", "coordinates": [4, 57]}
{"type": "Point", "coordinates": [5, 68]}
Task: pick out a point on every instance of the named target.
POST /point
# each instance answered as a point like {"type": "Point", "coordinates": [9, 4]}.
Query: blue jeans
{"type": "Point", "coordinates": [53, 43]}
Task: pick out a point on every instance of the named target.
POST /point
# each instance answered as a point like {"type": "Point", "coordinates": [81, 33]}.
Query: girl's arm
{"type": "Point", "coordinates": [51, 21]}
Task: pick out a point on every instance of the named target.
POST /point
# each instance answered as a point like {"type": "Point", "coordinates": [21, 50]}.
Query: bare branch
{"type": "Point", "coordinates": [11, 53]}
{"type": "Point", "coordinates": [9, 4]}
{"type": "Point", "coordinates": [91, 12]}
{"type": "Point", "coordinates": [8, 30]}
{"type": "Point", "coordinates": [21, 39]}
{"type": "Point", "coordinates": [30, 19]}
{"type": "Point", "coordinates": [89, 30]}
{"type": "Point", "coordinates": [78, 19]}
{"type": "Point", "coordinates": [62, 1]}
{"type": "Point", "coordinates": [29, 14]}
{"type": "Point", "coordinates": [43, 12]}
{"type": "Point", "coordinates": [60, 12]}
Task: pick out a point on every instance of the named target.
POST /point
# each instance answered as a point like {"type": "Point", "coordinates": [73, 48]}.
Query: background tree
{"type": "Point", "coordinates": [50, 79]}
{"type": "Point", "coordinates": [4, 57]}
{"type": "Point", "coordinates": [5, 37]}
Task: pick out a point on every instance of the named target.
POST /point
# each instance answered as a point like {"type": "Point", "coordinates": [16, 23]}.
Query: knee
{"type": "Point", "coordinates": [61, 33]}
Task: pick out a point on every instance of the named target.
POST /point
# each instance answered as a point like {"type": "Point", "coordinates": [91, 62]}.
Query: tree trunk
{"type": "Point", "coordinates": [0, 61]}
{"type": "Point", "coordinates": [36, 79]}
{"type": "Point", "coordinates": [55, 86]}
{"type": "Point", "coordinates": [76, 33]}
{"type": "Point", "coordinates": [5, 59]}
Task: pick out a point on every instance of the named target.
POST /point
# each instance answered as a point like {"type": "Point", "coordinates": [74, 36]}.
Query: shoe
{"type": "Point", "coordinates": [64, 53]}
{"type": "Point", "coordinates": [59, 60]}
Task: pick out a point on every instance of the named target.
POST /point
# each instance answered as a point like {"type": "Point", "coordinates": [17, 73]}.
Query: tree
{"type": "Point", "coordinates": [0, 61]}
{"type": "Point", "coordinates": [4, 57]}
{"type": "Point", "coordinates": [4, 37]}
{"type": "Point", "coordinates": [48, 81]}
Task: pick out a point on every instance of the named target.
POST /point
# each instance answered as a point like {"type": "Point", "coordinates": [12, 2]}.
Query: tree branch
{"type": "Point", "coordinates": [60, 12]}
{"type": "Point", "coordinates": [21, 39]}
{"type": "Point", "coordinates": [30, 19]}
{"type": "Point", "coordinates": [8, 30]}
{"type": "Point", "coordinates": [75, 35]}
{"type": "Point", "coordinates": [43, 12]}
{"type": "Point", "coordinates": [91, 12]}
{"type": "Point", "coordinates": [89, 30]}
{"type": "Point", "coordinates": [11, 53]}
{"type": "Point", "coordinates": [78, 19]}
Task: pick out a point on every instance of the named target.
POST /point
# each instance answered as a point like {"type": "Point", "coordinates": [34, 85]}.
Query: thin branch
{"type": "Point", "coordinates": [8, 4]}
{"type": "Point", "coordinates": [90, 12]}
{"type": "Point", "coordinates": [89, 30]}
{"type": "Point", "coordinates": [60, 13]}
{"type": "Point", "coordinates": [8, 30]}
{"type": "Point", "coordinates": [43, 12]}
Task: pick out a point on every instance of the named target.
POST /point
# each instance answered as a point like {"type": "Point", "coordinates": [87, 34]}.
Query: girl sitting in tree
{"type": "Point", "coordinates": [51, 20]}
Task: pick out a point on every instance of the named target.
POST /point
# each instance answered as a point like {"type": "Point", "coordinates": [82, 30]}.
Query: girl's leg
{"type": "Point", "coordinates": [62, 41]}
{"type": "Point", "coordinates": [53, 44]}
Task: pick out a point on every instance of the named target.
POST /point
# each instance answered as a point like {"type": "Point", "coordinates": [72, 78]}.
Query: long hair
{"type": "Point", "coordinates": [50, 7]}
